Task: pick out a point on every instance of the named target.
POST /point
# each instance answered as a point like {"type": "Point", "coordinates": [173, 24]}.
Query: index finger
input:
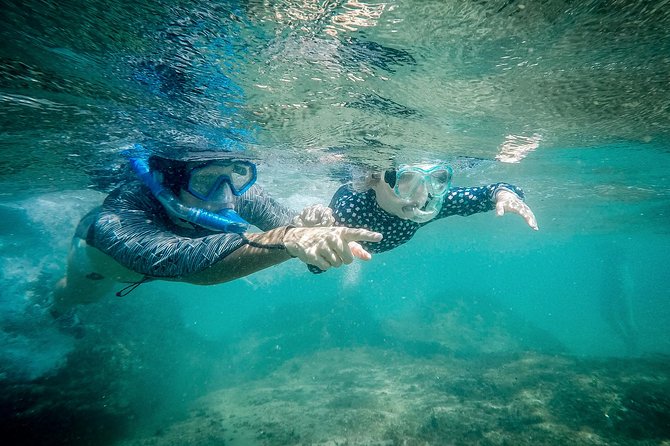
{"type": "Point", "coordinates": [530, 218]}
{"type": "Point", "coordinates": [358, 251]}
{"type": "Point", "coordinates": [500, 208]}
{"type": "Point", "coordinates": [360, 235]}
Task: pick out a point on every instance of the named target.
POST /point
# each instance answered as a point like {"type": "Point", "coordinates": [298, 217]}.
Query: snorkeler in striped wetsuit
{"type": "Point", "coordinates": [185, 217]}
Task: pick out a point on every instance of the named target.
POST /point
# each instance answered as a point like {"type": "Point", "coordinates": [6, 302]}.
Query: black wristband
{"type": "Point", "coordinates": [264, 245]}
{"type": "Point", "coordinates": [268, 245]}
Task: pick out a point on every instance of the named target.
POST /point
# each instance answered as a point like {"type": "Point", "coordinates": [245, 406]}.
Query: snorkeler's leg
{"type": "Point", "coordinates": [90, 275]}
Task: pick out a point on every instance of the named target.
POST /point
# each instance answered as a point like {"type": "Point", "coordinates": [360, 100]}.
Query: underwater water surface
{"type": "Point", "coordinates": [477, 331]}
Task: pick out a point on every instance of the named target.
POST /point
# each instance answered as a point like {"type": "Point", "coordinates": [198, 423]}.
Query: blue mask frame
{"type": "Point", "coordinates": [236, 189]}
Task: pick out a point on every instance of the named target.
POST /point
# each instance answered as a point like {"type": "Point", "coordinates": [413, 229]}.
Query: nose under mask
{"type": "Point", "coordinates": [223, 199]}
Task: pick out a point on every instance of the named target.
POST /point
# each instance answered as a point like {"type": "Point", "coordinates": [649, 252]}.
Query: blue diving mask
{"type": "Point", "coordinates": [408, 182]}
{"type": "Point", "coordinates": [226, 220]}
{"type": "Point", "coordinates": [206, 180]}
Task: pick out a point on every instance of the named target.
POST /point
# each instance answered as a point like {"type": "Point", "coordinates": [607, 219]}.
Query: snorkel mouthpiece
{"type": "Point", "coordinates": [426, 214]}
{"type": "Point", "coordinates": [226, 220]}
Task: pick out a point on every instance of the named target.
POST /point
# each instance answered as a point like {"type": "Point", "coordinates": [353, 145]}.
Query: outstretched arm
{"type": "Point", "coordinates": [247, 259]}
{"type": "Point", "coordinates": [508, 201]}
{"type": "Point", "coordinates": [502, 197]}
{"type": "Point", "coordinates": [322, 247]}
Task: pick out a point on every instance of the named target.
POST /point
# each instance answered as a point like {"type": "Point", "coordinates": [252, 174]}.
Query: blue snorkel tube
{"type": "Point", "coordinates": [226, 221]}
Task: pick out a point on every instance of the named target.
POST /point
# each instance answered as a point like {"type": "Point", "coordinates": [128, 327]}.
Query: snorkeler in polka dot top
{"type": "Point", "coordinates": [399, 202]}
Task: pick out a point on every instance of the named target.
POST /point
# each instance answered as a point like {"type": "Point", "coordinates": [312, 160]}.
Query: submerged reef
{"type": "Point", "coordinates": [122, 378]}
{"type": "Point", "coordinates": [445, 373]}
{"type": "Point", "coordinates": [376, 397]}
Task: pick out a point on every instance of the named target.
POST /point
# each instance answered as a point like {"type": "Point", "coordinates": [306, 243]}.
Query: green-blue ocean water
{"type": "Point", "coordinates": [567, 100]}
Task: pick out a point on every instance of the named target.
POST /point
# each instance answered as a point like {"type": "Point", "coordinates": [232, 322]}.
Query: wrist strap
{"type": "Point", "coordinates": [268, 245]}
{"type": "Point", "coordinates": [264, 245]}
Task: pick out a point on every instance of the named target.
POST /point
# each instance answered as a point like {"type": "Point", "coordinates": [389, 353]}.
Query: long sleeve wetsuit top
{"type": "Point", "coordinates": [360, 210]}
{"type": "Point", "coordinates": [133, 228]}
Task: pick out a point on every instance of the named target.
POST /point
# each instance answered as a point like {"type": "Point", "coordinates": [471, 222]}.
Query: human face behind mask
{"type": "Point", "coordinates": [214, 184]}
{"type": "Point", "coordinates": [414, 192]}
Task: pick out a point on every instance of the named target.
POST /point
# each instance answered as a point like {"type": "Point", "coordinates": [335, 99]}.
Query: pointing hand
{"type": "Point", "coordinates": [329, 247]}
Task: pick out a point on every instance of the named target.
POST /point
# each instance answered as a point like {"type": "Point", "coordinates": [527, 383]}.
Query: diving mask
{"type": "Point", "coordinates": [227, 220]}
{"type": "Point", "coordinates": [206, 180]}
{"type": "Point", "coordinates": [406, 180]}
{"type": "Point", "coordinates": [410, 182]}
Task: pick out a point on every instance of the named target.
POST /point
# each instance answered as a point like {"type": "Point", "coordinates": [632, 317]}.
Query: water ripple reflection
{"type": "Point", "coordinates": [371, 79]}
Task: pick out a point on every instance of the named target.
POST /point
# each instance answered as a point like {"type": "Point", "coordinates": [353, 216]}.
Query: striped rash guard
{"type": "Point", "coordinates": [133, 227]}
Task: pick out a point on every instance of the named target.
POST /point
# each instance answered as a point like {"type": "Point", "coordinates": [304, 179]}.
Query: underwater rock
{"type": "Point", "coordinates": [645, 412]}
{"type": "Point", "coordinates": [372, 396]}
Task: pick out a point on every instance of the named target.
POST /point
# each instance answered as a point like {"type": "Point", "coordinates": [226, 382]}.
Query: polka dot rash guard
{"type": "Point", "coordinates": [360, 210]}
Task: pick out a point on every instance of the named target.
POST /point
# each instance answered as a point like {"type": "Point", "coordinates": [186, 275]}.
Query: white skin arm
{"type": "Point", "coordinates": [322, 247]}
{"type": "Point", "coordinates": [91, 273]}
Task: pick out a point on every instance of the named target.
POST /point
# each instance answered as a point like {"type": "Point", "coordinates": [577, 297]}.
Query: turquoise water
{"type": "Point", "coordinates": [477, 331]}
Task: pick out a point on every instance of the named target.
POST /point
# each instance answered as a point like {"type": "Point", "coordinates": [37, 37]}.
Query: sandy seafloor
{"type": "Point", "coordinates": [466, 377]}
{"type": "Point", "coordinates": [369, 396]}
